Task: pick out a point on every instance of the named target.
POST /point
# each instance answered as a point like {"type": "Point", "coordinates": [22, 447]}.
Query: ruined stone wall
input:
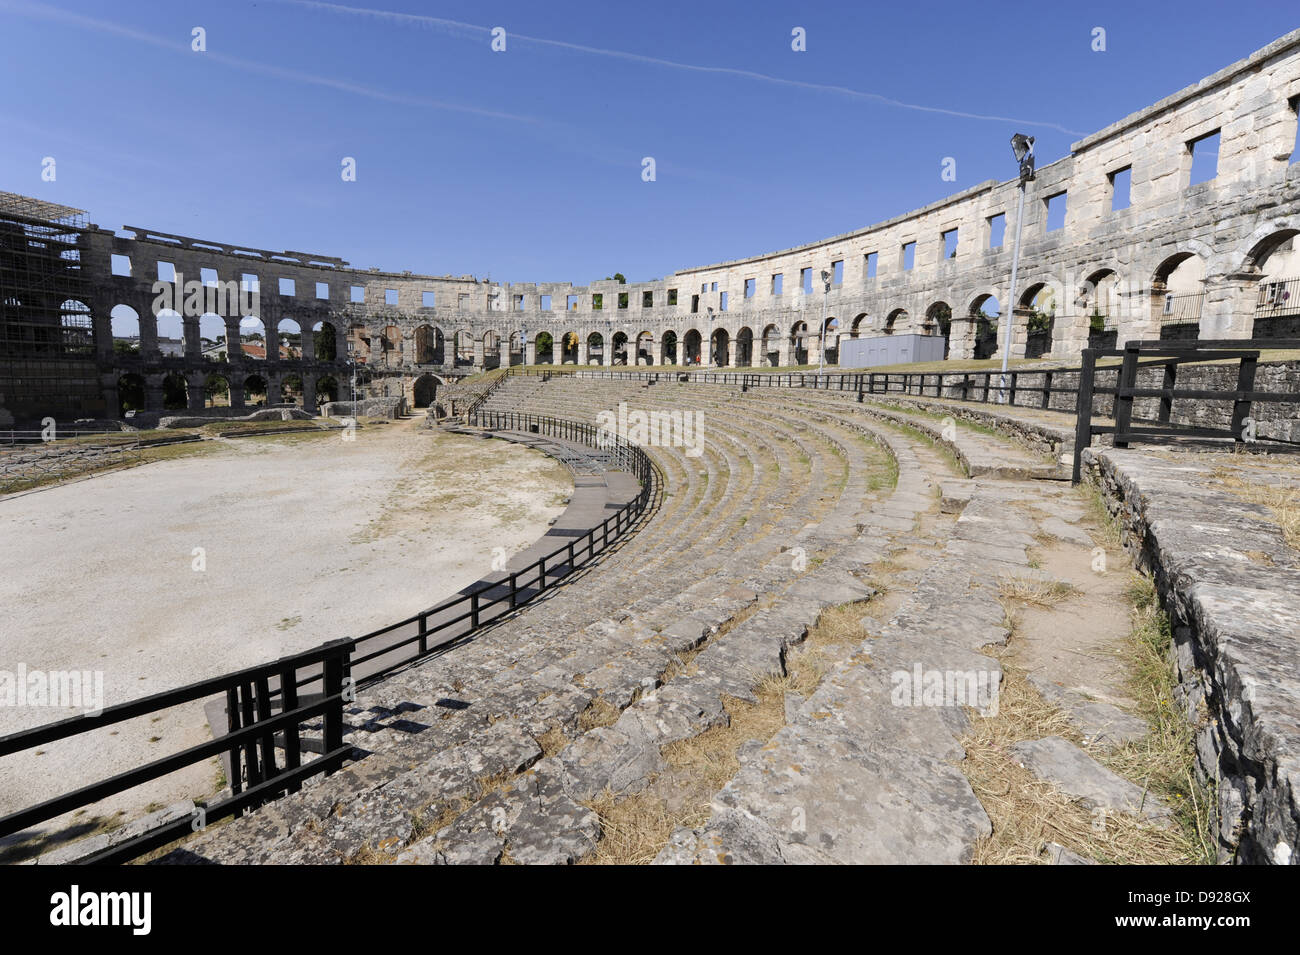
{"type": "Point", "coordinates": [404, 325]}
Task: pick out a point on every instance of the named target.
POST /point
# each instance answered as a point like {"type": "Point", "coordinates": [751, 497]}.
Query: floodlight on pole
{"type": "Point", "coordinates": [1022, 147]}
{"type": "Point", "coordinates": [821, 334]}
{"type": "Point", "coordinates": [709, 309]}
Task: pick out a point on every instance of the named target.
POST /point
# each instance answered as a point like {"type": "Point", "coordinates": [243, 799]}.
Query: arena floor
{"type": "Point", "coordinates": [304, 539]}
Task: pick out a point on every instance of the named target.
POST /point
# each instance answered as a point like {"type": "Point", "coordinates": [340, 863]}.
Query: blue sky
{"type": "Point", "coordinates": [526, 165]}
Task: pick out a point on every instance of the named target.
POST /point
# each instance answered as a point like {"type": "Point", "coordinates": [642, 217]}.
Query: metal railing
{"type": "Point", "coordinates": [264, 712]}
{"type": "Point", "coordinates": [449, 623]}
{"type": "Point", "coordinates": [267, 705]}
{"type": "Point", "coordinates": [1182, 309]}
{"type": "Point", "coordinates": [1278, 297]}
{"type": "Point", "coordinates": [1171, 356]}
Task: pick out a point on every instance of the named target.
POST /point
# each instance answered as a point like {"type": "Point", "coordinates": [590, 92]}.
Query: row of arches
{"type": "Point", "coordinates": [195, 392]}
{"type": "Point", "coordinates": [1104, 305]}
{"type": "Point", "coordinates": [211, 334]}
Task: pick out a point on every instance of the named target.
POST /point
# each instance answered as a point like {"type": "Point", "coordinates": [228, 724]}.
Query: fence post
{"type": "Point", "coordinates": [1124, 394]}
{"type": "Point", "coordinates": [1166, 386]}
{"type": "Point", "coordinates": [332, 684]}
{"type": "Point", "coordinates": [1083, 414]}
{"type": "Point", "coordinates": [1245, 383]}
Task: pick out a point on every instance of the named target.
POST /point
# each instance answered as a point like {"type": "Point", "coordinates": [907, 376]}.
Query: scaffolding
{"type": "Point", "coordinates": [44, 291]}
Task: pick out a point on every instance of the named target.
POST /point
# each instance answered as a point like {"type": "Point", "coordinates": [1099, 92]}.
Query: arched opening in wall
{"type": "Point", "coordinates": [428, 345]}
{"type": "Point", "coordinates": [895, 321]}
{"type": "Point", "coordinates": [985, 314]}
{"type": "Point", "coordinates": [692, 343]}
{"type": "Point", "coordinates": [569, 348]}
{"type": "Point", "coordinates": [1277, 301]}
{"type": "Point", "coordinates": [799, 343]}
{"type": "Point", "coordinates": [491, 343]}
{"type": "Point", "coordinates": [290, 334]}
{"type": "Point", "coordinates": [861, 325]}
{"type": "Point", "coordinates": [620, 349]}
{"type": "Point", "coordinates": [126, 331]}
{"type": "Point", "coordinates": [252, 337]}
{"type": "Point", "coordinates": [1099, 299]}
{"type": "Point", "coordinates": [176, 392]}
{"type": "Point", "coordinates": [1039, 306]}
{"type": "Point", "coordinates": [391, 341]}
{"type": "Point", "coordinates": [771, 345]}
{"type": "Point", "coordinates": [544, 349]}
{"type": "Point", "coordinates": [720, 348]}
{"type": "Point", "coordinates": [938, 321]}
{"type": "Point", "coordinates": [212, 337]}
{"type": "Point", "coordinates": [130, 394]}
{"type": "Point", "coordinates": [255, 391]}
{"type": "Point", "coordinates": [517, 348]}
{"type": "Point", "coordinates": [668, 343]}
{"type": "Point", "coordinates": [171, 333]}
{"type": "Point", "coordinates": [831, 340]}
{"type": "Point", "coordinates": [326, 342]}
{"type": "Point", "coordinates": [290, 390]}
{"type": "Point", "coordinates": [745, 347]}
{"type": "Point", "coordinates": [464, 346]}
{"type": "Point", "coordinates": [216, 392]}
{"type": "Point", "coordinates": [1177, 296]}
{"type": "Point", "coordinates": [595, 348]}
{"type": "Point", "coordinates": [76, 328]}
{"type": "Point", "coordinates": [327, 389]}
{"type": "Point", "coordinates": [645, 346]}
{"type": "Point", "coordinates": [425, 391]}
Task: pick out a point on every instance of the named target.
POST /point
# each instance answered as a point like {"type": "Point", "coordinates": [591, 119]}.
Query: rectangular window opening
{"type": "Point", "coordinates": [871, 259]}
{"type": "Point", "coordinates": [357, 293]}
{"type": "Point", "coordinates": [286, 287]}
{"type": "Point", "coordinates": [997, 230]}
{"type": "Point", "coordinates": [323, 291]}
{"type": "Point", "coordinates": [1205, 158]}
{"type": "Point", "coordinates": [949, 240]}
{"type": "Point", "coordinates": [390, 296]}
{"type": "Point", "coordinates": [208, 277]}
{"type": "Point", "coordinates": [428, 299]}
{"type": "Point", "coordinates": [121, 264]}
{"type": "Point", "coordinates": [166, 271]}
{"type": "Point", "coordinates": [909, 255]}
{"type": "Point", "coordinates": [805, 280]}
{"type": "Point", "coordinates": [751, 286]}
{"type": "Point", "coordinates": [1295, 112]}
{"type": "Point", "coordinates": [777, 282]}
{"type": "Point", "coordinates": [837, 272]}
{"type": "Point", "coordinates": [1056, 211]}
{"type": "Point", "coordinates": [1121, 188]}
{"type": "Point", "coordinates": [546, 303]}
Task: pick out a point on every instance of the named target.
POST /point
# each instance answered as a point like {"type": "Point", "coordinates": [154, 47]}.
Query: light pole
{"type": "Point", "coordinates": [1022, 147]}
{"type": "Point", "coordinates": [710, 349]}
{"type": "Point", "coordinates": [821, 335]}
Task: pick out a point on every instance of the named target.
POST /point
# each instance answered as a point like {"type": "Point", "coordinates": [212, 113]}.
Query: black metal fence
{"type": "Point", "coordinates": [1171, 356]}
{"type": "Point", "coordinates": [451, 621]}
{"type": "Point", "coordinates": [267, 706]}
{"type": "Point", "coordinates": [265, 711]}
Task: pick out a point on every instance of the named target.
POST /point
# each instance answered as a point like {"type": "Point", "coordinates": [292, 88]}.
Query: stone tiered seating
{"type": "Point", "coordinates": [504, 741]}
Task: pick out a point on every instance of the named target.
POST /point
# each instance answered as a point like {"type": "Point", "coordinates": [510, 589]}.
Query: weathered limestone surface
{"type": "Point", "coordinates": [1081, 777]}
{"type": "Point", "coordinates": [1231, 587]}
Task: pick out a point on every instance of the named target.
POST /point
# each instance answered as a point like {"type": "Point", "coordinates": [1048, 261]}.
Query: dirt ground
{"type": "Point", "coordinates": [303, 539]}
